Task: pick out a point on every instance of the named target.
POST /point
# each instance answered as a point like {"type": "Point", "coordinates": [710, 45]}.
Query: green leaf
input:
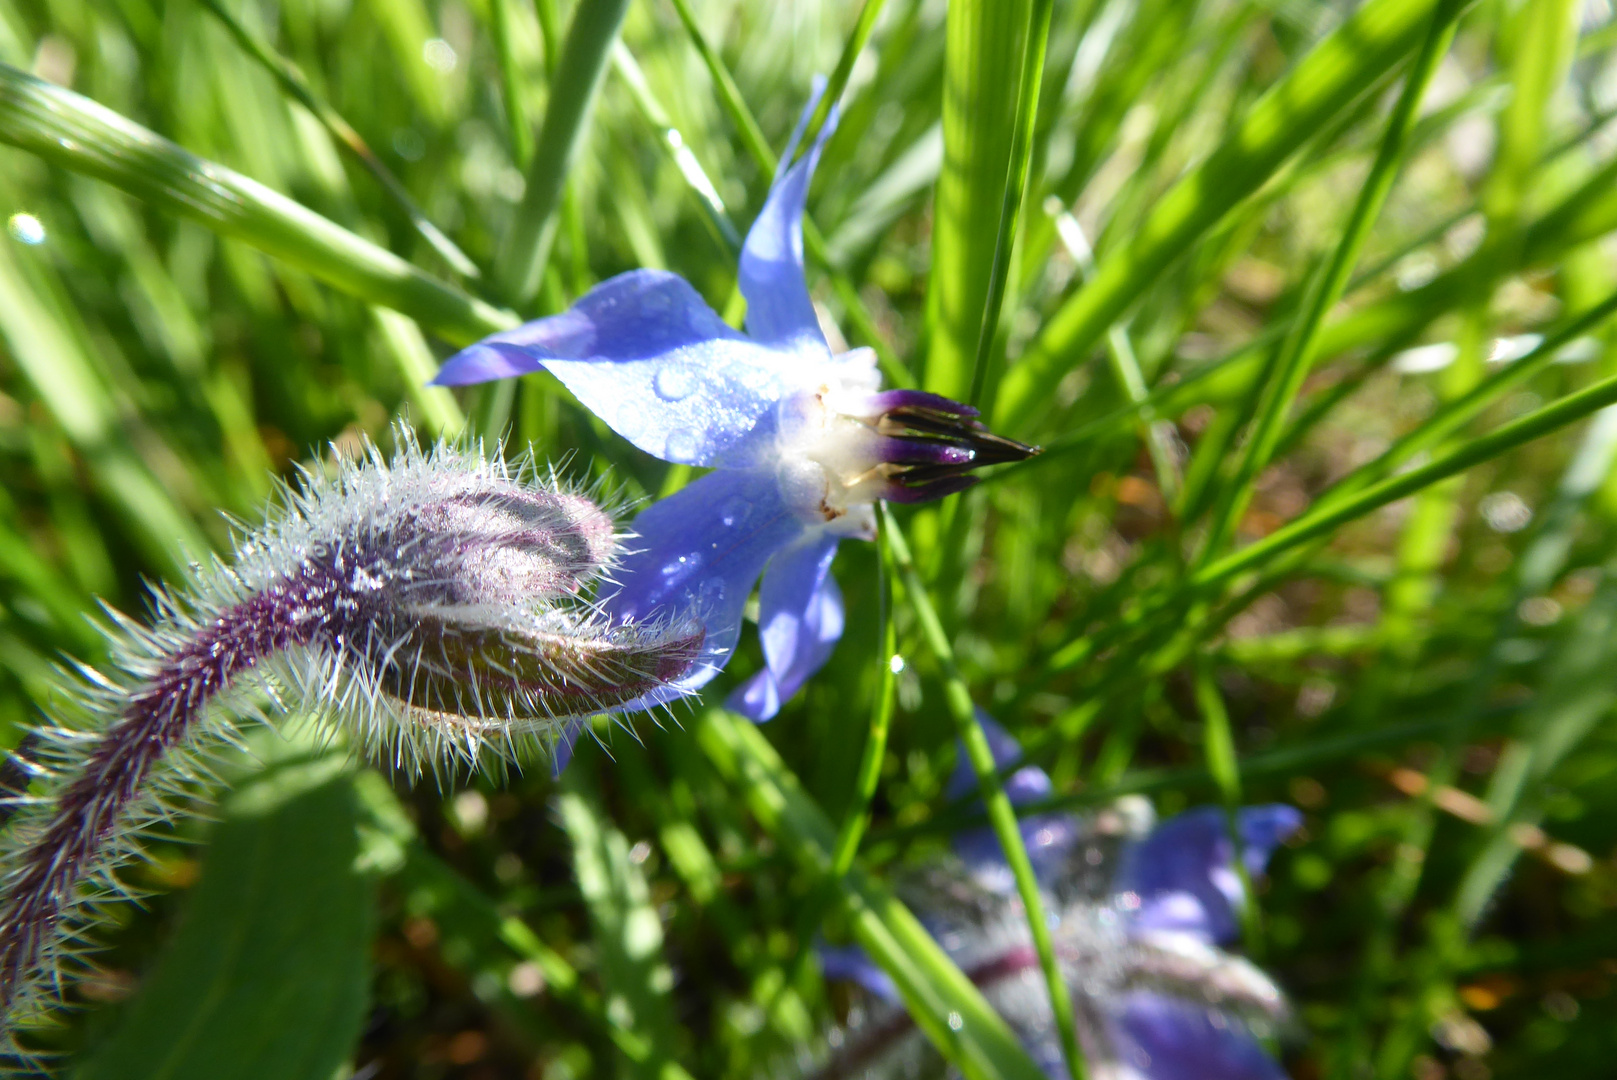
{"type": "Point", "coordinates": [627, 932]}
{"type": "Point", "coordinates": [1334, 75]}
{"type": "Point", "coordinates": [268, 973]}
{"type": "Point", "coordinates": [74, 132]}
{"type": "Point", "coordinates": [574, 88]}
{"type": "Point", "coordinates": [983, 65]}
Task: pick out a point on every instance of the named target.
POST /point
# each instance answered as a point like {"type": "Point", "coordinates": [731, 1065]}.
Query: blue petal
{"type": "Point", "coordinates": [1047, 837]}
{"type": "Point", "coordinates": [1184, 874]}
{"type": "Point", "coordinates": [696, 555]}
{"type": "Point", "coordinates": [1165, 1039]}
{"type": "Point", "coordinates": [799, 623]}
{"type": "Point", "coordinates": [647, 355]}
{"type": "Point", "coordinates": [850, 963]}
{"type": "Point", "coordinates": [779, 311]}
{"type": "Point", "coordinates": [561, 755]}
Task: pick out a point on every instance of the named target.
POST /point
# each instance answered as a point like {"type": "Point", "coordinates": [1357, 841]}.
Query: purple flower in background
{"type": "Point", "coordinates": [802, 443]}
{"type": "Point", "coordinates": [1139, 915]}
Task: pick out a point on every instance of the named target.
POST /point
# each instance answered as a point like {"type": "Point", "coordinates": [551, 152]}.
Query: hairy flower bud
{"type": "Point", "coordinates": [430, 607]}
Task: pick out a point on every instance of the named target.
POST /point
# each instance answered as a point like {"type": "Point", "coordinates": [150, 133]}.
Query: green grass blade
{"type": "Point", "coordinates": [1501, 440]}
{"type": "Point", "coordinates": [81, 136]}
{"type": "Point", "coordinates": [574, 86]}
{"type": "Point", "coordinates": [857, 819]}
{"type": "Point", "coordinates": [1001, 814]}
{"type": "Point", "coordinates": [868, 14]}
{"type": "Point", "coordinates": [986, 43]}
{"type": "Point", "coordinates": [752, 136]}
{"type": "Point", "coordinates": [513, 86]}
{"type": "Point", "coordinates": [61, 368]}
{"type": "Point", "coordinates": [941, 1000]}
{"type": "Point", "coordinates": [984, 374]}
{"type": "Point", "coordinates": [1296, 354]}
{"type": "Point", "coordinates": [1335, 74]}
{"type": "Point", "coordinates": [627, 933]}
{"type": "Point", "coordinates": [291, 81]}
{"type": "Point", "coordinates": [674, 144]}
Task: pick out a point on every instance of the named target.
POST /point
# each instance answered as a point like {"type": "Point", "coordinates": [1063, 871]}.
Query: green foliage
{"type": "Point", "coordinates": [279, 926]}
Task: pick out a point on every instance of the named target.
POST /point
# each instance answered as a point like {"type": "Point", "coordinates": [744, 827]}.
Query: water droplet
{"type": "Point", "coordinates": [682, 447]}
{"type": "Point", "coordinates": [26, 229]}
{"type": "Point", "coordinates": [956, 1021]}
{"type": "Point", "coordinates": [735, 511]}
{"type": "Point", "coordinates": [710, 593]}
{"type": "Point", "coordinates": [674, 383]}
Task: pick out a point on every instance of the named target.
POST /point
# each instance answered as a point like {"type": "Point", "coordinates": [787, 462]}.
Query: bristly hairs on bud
{"type": "Point", "coordinates": [433, 608]}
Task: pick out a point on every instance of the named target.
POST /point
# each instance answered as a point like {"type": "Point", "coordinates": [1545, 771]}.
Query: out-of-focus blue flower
{"type": "Point", "coordinates": [802, 443]}
{"type": "Point", "coordinates": [1138, 916]}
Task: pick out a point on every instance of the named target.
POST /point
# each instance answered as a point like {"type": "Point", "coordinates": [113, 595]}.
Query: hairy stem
{"type": "Point", "coordinates": [95, 806]}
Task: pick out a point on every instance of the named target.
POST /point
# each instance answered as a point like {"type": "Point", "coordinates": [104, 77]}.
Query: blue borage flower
{"type": "Point", "coordinates": [802, 443]}
{"type": "Point", "coordinates": [1139, 916]}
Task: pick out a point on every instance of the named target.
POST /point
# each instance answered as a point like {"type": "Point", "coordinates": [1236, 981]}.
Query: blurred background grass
{"type": "Point", "coordinates": [1432, 685]}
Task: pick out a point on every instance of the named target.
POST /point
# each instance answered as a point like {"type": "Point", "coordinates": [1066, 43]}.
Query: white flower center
{"type": "Point", "coordinates": [829, 467]}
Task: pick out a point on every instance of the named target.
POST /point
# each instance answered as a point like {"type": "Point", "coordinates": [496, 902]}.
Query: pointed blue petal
{"type": "Point", "coordinates": [1264, 828]}
{"type": "Point", "coordinates": [779, 311]}
{"type": "Point", "coordinates": [1161, 1038]}
{"type": "Point", "coordinates": [849, 962]}
{"type": "Point", "coordinates": [694, 557]}
{"type": "Point", "coordinates": [1047, 837]}
{"type": "Point", "coordinates": [561, 755]}
{"type": "Point", "coordinates": [799, 622]}
{"type": "Point", "coordinates": [1184, 873]}
{"type": "Point", "coordinates": [647, 355]}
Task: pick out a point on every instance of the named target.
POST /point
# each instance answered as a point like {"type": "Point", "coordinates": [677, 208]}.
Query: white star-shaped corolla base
{"type": "Point", "coordinates": [801, 443]}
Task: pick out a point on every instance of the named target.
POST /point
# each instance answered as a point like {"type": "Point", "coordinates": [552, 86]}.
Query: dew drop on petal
{"type": "Point", "coordinates": [674, 383]}
{"type": "Point", "coordinates": [710, 593]}
{"type": "Point", "coordinates": [682, 446]}
{"type": "Point", "coordinates": [735, 511]}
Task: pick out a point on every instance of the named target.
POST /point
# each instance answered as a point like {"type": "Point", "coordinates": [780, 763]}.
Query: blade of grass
{"type": "Point", "coordinates": [674, 144]}
{"type": "Point", "coordinates": [757, 146]}
{"type": "Point", "coordinates": [627, 933]}
{"type": "Point", "coordinates": [513, 86]}
{"type": "Point", "coordinates": [1157, 435]}
{"type": "Point", "coordinates": [834, 86]}
{"type": "Point", "coordinates": [1336, 73]}
{"type": "Point", "coordinates": [393, 846]}
{"type": "Point", "coordinates": [941, 1000]}
{"type": "Point", "coordinates": [61, 368]}
{"type": "Point", "coordinates": [984, 373]}
{"type": "Point", "coordinates": [985, 44]}
{"type": "Point", "coordinates": [1000, 812]}
{"type": "Point", "coordinates": [75, 133]}
{"type": "Point", "coordinates": [1501, 440]}
{"type": "Point", "coordinates": [574, 86]}
{"type": "Point", "coordinates": [752, 136]}
{"type": "Point", "coordinates": [1295, 356]}
{"type": "Point", "coordinates": [292, 82]}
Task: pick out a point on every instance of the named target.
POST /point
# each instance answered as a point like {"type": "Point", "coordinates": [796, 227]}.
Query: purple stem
{"type": "Point", "coordinates": [91, 809]}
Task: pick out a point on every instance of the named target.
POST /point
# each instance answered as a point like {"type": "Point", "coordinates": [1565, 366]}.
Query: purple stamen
{"type": "Point", "coordinates": [929, 444]}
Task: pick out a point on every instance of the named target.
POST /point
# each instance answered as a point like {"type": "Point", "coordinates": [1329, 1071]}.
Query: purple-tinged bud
{"type": "Point", "coordinates": [494, 545]}
{"type": "Point", "coordinates": [429, 607]}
